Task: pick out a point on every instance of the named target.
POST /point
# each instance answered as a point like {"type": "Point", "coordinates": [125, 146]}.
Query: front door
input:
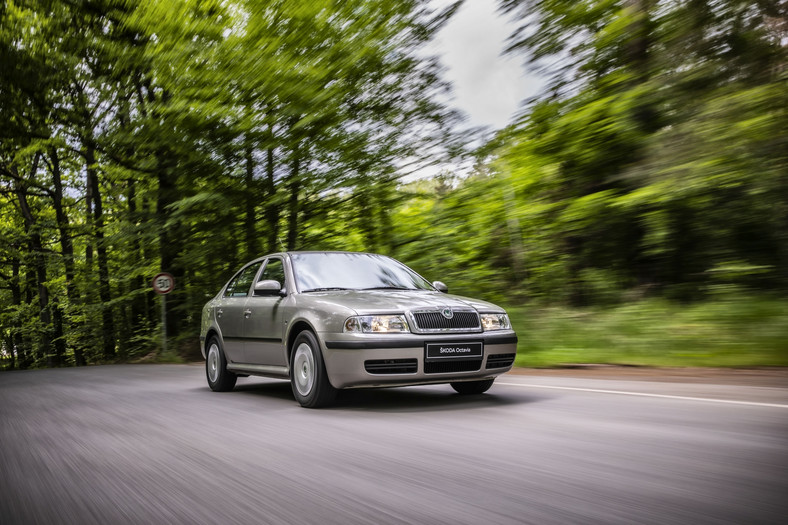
{"type": "Point", "coordinates": [264, 326]}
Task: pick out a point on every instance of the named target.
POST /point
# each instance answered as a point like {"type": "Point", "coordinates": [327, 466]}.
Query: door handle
{"type": "Point", "coordinates": [219, 312]}
{"type": "Point", "coordinates": [247, 314]}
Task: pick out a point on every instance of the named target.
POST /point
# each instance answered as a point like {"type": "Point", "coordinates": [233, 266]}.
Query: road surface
{"type": "Point", "coordinates": [152, 444]}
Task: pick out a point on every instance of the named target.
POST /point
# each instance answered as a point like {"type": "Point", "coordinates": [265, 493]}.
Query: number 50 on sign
{"type": "Point", "coordinates": [163, 283]}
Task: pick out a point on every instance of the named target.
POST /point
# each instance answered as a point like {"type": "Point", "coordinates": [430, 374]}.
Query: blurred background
{"type": "Point", "coordinates": [626, 198]}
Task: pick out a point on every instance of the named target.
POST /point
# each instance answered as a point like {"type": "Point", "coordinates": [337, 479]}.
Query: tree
{"type": "Point", "coordinates": [185, 136]}
{"type": "Point", "coordinates": [650, 142]}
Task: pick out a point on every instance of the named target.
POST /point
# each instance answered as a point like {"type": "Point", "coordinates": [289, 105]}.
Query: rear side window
{"type": "Point", "coordinates": [239, 287]}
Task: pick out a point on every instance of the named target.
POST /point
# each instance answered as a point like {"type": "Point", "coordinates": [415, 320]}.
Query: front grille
{"type": "Point", "coordinates": [500, 360]}
{"type": "Point", "coordinates": [448, 366]}
{"type": "Point", "coordinates": [436, 321]}
{"type": "Point", "coordinates": [391, 366]}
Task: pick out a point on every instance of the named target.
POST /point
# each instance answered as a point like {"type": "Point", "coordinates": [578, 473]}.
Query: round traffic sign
{"type": "Point", "coordinates": [163, 283]}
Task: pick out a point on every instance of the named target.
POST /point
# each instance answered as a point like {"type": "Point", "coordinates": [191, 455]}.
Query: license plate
{"type": "Point", "coordinates": [453, 350]}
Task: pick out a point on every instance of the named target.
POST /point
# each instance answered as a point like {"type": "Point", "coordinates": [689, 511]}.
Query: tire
{"type": "Point", "coordinates": [308, 377]}
{"type": "Point", "coordinates": [219, 378]}
{"type": "Point", "coordinates": [469, 388]}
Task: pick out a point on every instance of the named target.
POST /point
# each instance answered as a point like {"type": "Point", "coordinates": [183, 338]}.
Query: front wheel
{"type": "Point", "coordinates": [219, 378]}
{"type": "Point", "coordinates": [308, 377]}
{"type": "Point", "coordinates": [472, 387]}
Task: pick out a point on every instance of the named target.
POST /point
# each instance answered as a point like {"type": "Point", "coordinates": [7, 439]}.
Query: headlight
{"type": "Point", "coordinates": [378, 324]}
{"type": "Point", "coordinates": [495, 322]}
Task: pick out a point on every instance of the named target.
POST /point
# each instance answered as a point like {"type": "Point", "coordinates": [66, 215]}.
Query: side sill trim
{"type": "Point", "coordinates": [277, 371]}
{"type": "Point", "coordinates": [255, 339]}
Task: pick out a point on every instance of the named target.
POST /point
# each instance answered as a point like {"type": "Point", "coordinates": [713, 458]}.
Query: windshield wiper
{"type": "Point", "coordinates": [328, 289]}
{"type": "Point", "coordinates": [389, 288]}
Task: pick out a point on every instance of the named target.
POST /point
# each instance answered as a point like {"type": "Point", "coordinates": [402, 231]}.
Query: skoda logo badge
{"type": "Point", "coordinates": [447, 313]}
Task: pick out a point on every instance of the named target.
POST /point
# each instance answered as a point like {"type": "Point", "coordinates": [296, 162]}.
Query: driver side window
{"type": "Point", "coordinates": [274, 270]}
{"type": "Point", "coordinates": [239, 287]}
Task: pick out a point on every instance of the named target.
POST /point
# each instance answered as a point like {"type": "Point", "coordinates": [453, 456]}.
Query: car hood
{"type": "Point", "coordinates": [396, 301]}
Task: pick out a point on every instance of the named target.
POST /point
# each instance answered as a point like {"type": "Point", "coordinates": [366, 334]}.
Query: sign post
{"type": "Point", "coordinates": [163, 284]}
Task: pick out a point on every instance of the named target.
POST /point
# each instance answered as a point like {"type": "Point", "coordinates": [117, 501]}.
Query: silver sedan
{"type": "Point", "coordinates": [333, 320]}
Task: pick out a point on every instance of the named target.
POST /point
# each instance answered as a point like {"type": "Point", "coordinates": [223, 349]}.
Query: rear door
{"type": "Point", "coordinates": [230, 315]}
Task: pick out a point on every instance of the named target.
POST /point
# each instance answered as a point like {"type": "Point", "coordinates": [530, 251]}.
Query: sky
{"type": "Point", "coordinates": [488, 87]}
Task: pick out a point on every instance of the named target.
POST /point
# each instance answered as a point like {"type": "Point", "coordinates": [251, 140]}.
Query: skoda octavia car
{"type": "Point", "coordinates": [333, 320]}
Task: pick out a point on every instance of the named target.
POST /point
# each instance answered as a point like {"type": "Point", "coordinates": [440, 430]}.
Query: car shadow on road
{"type": "Point", "coordinates": [400, 399]}
{"type": "Point", "coordinates": [420, 399]}
{"type": "Point", "coordinates": [272, 389]}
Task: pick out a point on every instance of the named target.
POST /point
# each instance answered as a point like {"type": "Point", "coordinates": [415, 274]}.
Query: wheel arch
{"type": "Point", "coordinates": [212, 332]}
{"type": "Point", "coordinates": [295, 329]}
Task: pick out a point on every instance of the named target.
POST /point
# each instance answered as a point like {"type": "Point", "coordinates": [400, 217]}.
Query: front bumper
{"type": "Point", "coordinates": [371, 360]}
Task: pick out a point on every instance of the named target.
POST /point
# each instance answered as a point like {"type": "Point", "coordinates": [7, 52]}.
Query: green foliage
{"type": "Point", "coordinates": [732, 330]}
{"type": "Point", "coordinates": [651, 163]}
{"type": "Point", "coordinates": [189, 136]}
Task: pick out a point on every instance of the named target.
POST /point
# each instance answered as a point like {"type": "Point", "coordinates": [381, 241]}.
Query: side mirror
{"type": "Point", "coordinates": [440, 286]}
{"type": "Point", "coordinates": [267, 287]}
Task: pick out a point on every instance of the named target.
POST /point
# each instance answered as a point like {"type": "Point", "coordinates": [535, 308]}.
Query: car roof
{"type": "Point", "coordinates": [332, 251]}
{"type": "Point", "coordinates": [296, 252]}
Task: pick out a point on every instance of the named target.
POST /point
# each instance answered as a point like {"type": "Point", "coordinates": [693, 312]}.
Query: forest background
{"type": "Point", "coordinates": [635, 212]}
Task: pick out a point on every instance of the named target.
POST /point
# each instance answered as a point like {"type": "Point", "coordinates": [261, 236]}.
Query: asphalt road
{"type": "Point", "coordinates": [152, 444]}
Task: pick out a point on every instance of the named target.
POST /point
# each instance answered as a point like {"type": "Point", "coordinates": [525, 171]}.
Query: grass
{"type": "Point", "coordinates": [733, 331]}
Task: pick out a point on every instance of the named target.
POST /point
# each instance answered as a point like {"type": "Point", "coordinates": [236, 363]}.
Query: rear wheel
{"type": "Point", "coordinates": [219, 378]}
{"type": "Point", "coordinates": [308, 377]}
{"type": "Point", "coordinates": [472, 387]}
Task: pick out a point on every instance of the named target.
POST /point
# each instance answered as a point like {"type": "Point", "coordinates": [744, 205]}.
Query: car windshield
{"type": "Point", "coordinates": [353, 271]}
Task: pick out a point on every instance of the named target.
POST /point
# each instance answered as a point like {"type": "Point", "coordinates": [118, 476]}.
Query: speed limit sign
{"type": "Point", "coordinates": [163, 283]}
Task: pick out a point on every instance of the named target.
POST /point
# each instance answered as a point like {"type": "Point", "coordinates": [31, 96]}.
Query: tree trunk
{"type": "Point", "coordinates": [637, 52]}
{"type": "Point", "coordinates": [384, 214]}
{"type": "Point", "coordinates": [59, 339]}
{"type": "Point", "coordinates": [639, 38]}
{"type": "Point", "coordinates": [149, 253]}
{"type": "Point", "coordinates": [250, 199]}
{"type": "Point", "coordinates": [516, 248]}
{"type": "Point", "coordinates": [39, 265]}
{"type": "Point", "coordinates": [272, 205]}
{"type": "Point", "coordinates": [293, 207]}
{"type": "Point", "coordinates": [137, 309]}
{"type": "Point", "coordinates": [366, 217]}
{"type": "Point", "coordinates": [67, 251]}
{"type": "Point", "coordinates": [168, 242]}
{"type": "Point", "coordinates": [18, 352]}
{"type": "Point", "coordinates": [105, 293]}
{"type": "Point", "coordinates": [89, 219]}
{"type": "Point", "coordinates": [574, 250]}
